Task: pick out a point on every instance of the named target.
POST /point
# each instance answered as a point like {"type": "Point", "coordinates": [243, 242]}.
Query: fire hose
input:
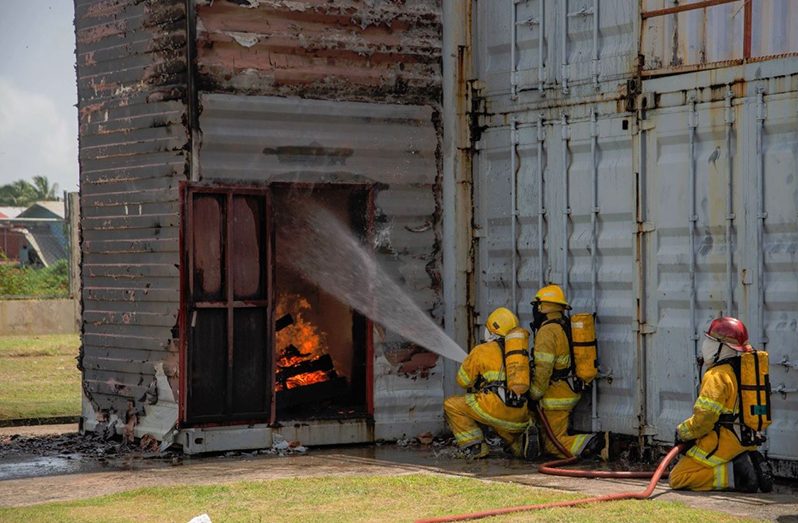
{"type": "Point", "coordinates": [551, 467]}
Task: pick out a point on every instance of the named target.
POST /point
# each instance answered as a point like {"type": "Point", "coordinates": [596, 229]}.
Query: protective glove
{"type": "Point", "coordinates": [677, 440]}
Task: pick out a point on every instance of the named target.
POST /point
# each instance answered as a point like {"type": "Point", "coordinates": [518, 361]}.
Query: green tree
{"type": "Point", "coordinates": [22, 193]}
{"type": "Point", "coordinates": [45, 191]}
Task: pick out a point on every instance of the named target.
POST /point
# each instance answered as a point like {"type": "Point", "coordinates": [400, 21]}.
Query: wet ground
{"type": "Point", "coordinates": [52, 465]}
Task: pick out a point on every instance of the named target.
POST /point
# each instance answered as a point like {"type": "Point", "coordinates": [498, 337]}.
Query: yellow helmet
{"type": "Point", "coordinates": [552, 294]}
{"type": "Point", "coordinates": [501, 321]}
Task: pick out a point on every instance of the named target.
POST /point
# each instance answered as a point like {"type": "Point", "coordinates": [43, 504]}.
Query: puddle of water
{"type": "Point", "coordinates": [40, 466]}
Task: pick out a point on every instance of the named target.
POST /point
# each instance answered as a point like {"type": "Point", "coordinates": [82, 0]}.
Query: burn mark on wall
{"type": "Point", "coordinates": [336, 50]}
{"type": "Point", "coordinates": [313, 154]}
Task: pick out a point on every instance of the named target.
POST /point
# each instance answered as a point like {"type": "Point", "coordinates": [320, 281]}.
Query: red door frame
{"type": "Point", "coordinates": [188, 189]}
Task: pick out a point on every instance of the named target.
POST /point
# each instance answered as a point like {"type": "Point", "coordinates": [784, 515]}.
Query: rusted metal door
{"type": "Point", "coordinates": [228, 363]}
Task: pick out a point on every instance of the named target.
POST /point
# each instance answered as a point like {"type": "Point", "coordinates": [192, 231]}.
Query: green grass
{"type": "Point", "coordinates": [338, 499]}
{"type": "Point", "coordinates": [52, 281]}
{"type": "Point", "coordinates": [39, 377]}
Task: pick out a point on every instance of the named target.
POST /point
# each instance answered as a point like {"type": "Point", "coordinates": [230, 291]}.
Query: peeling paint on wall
{"type": "Point", "coordinates": [131, 69]}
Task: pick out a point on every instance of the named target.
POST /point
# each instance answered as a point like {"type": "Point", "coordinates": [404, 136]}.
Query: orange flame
{"type": "Point", "coordinates": [302, 334]}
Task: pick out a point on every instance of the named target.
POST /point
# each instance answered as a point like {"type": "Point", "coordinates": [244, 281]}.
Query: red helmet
{"type": "Point", "coordinates": [729, 331]}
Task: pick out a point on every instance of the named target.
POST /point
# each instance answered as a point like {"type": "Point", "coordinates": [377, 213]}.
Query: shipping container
{"type": "Point", "coordinates": [655, 182]}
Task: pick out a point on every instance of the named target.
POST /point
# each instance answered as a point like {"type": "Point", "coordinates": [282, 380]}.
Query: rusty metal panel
{"type": "Point", "coordinates": [259, 139]}
{"type": "Point", "coordinates": [717, 35]}
{"type": "Point", "coordinates": [131, 71]}
{"type": "Point", "coordinates": [343, 50]}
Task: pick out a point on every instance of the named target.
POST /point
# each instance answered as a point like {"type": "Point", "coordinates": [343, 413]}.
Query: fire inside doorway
{"type": "Point", "coordinates": [264, 344]}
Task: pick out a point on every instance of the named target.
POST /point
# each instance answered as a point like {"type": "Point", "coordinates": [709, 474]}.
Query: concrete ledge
{"type": "Point", "coordinates": [33, 317]}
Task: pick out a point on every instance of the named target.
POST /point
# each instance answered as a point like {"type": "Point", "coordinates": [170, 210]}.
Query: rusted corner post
{"type": "Point", "coordinates": [457, 196]}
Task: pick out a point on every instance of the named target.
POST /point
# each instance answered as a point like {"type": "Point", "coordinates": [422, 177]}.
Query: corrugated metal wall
{"type": "Point", "coordinates": [131, 70]}
{"type": "Point", "coordinates": [362, 78]}
{"type": "Point", "coordinates": [641, 217]}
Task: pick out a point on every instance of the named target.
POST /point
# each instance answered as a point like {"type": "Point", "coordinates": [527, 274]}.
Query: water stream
{"type": "Point", "coordinates": [323, 250]}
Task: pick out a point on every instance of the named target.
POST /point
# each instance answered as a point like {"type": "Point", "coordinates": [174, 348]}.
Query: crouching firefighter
{"type": "Point", "coordinates": [554, 385]}
{"type": "Point", "coordinates": [732, 409]}
{"type": "Point", "coordinates": [495, 375]}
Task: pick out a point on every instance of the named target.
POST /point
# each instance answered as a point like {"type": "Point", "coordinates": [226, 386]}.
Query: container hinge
{"type": "Point", "coordinates": [645, 227]}
{"type": "Point", "coordinates": [529, 22]}
{"type": "Point", "coordinates": [607, 376]}
{"type": "Point", "coordinates": [646, 125]}
{"type": "Point", "coordinates": [478, 232]}
{"type": "Point", "coordinates": [647, 328]}
{"type": "Point", "coordinates": [782, 389]}
{"type": "Point", "coordinates": [585, 11]}
{"type": "Point", "coordinates": [787, 364]}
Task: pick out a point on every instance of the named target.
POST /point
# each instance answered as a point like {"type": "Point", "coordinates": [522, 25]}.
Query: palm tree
{"type": "Point", "coordinates": [23, 193]}
{"type": "Point", "coordinates": [44, 191]}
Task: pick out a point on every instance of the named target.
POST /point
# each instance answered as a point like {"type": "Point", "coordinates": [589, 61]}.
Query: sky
{"type": "Point", "coordinates": [38, 93]}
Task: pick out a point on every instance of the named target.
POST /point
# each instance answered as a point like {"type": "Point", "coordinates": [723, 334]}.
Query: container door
{"type": "Point", "coordinates": [228, 292]}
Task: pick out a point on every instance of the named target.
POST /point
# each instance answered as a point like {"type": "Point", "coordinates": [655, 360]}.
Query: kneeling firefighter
{"type": "Point", "coordinates": [732, 409]}
{"type": "Point", "coordinates": [553, 383]}
{"type": "Point", "coordinates": [495, 375]}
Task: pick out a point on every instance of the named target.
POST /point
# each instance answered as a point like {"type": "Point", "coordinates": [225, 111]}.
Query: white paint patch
{"type": "Point", "coordinates": [244, 39]}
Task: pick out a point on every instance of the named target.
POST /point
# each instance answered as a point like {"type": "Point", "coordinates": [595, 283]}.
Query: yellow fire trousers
{"type": "Point", "coordinates": [558, 420]}
{"type": "Point", "coordinates": [691, 475]}
{"type": "Point", "coordinates": [464, 421]}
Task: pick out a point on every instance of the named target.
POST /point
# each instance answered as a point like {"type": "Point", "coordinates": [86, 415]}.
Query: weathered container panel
{"type": "Point", "coordinates": [687, 278]}
{"type": "Point", "coordinates": [585, 44]}
{"type": "Point", "coordinates": [776, 253]}
{"type": "Point", "coordinates": [316, 49]}
{"type": "Point", "coordinates": [601, 283]}
{"type": "Point", "coordinates": [258, 139]}
{"type": "Point", "coordinates": [131, 69]}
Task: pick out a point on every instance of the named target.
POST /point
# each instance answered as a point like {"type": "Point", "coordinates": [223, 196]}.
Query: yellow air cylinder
{"type": "Point", "coordinates": [516, 360]}
{"type": "Point", "coordinates": [755, 390]}
{"type": "Point", "coordinates": [583, 337]}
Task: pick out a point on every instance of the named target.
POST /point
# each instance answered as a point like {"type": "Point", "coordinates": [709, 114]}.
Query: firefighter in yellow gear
{"type": "Point", "coordinates": [493, 398]}
{"type": "Point", "coordinates": [716, 460]}
{"type": "Point", "coordinates": [550, 386]}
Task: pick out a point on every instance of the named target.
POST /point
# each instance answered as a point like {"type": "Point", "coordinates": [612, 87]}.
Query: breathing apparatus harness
{"type": "Point", "coordinates": [752, 416]}
{"type": "Point", "coordinates": [570, 374]}
{"type": "Point", "coordinates": [499, 387]}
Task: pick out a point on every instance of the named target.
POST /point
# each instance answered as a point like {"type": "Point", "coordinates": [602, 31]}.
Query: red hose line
{"type": "Point", "coordinates": [551, 468]}
{"type": "Point", "coordinates": [558, 504]}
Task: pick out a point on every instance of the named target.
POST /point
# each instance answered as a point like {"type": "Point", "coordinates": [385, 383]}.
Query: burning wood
{"type": "Point", "coordinates": [303, 360]}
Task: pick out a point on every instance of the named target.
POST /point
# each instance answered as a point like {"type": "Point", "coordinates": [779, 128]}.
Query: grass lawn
{"type": "Point", "coordinates": [38, 376]}
{"type": "Point", "coordinates": [369, 498]}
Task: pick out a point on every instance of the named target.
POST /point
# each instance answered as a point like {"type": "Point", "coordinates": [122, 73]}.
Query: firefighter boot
{"type": "Point", "coordinates": [744, 474]}
{"type": "Point", "coordinates": [477, 451]}
{"type": "Point", "coordinates": [764, 472]}
{"type": "Point", "coordinates": [593, 447]}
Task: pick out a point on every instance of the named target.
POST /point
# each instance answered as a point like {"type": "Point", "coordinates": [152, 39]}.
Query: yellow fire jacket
{"type": "Point", "coordinates": [486, 361]}
{"type": "Point", "coordinates": [552, 353]}
{"type": "Point", "coordinates": [718, 395]}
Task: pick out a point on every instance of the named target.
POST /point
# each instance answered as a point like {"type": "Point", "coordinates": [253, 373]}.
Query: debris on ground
{"type": "Point", "coordinates": [282, 447]}
{"type": "Point", "coordinates": [202, 518]}
{"type": "Point", "coordinates": [74, 445]}
{"type": "Point", "coordinates": [425, 438]}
